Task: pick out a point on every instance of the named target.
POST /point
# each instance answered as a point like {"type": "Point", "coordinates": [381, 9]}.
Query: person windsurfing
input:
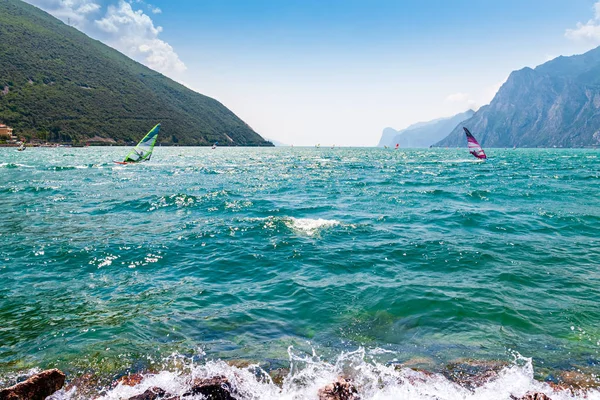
{"type": "Point", "coordinates": [143, 150]}
{"type": "Point", "coordinates": [474, 147]}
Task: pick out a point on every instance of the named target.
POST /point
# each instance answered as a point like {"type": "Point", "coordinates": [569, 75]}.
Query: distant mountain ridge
{"type": "Point", "coordinates": [277, 143]}
{"type": "Point", "coordinates": [423, 134]}
{"type": "Point", "coordinates": [557, 104]}
{"type": "Point", "coordinates": [57, 84]}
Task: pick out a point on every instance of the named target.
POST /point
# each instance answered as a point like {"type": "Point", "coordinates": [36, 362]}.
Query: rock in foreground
{"type": "Point", "coordinates": [533, 396]}
{"type": "Point", "coordinates": [216, 388]}
{"type": "Point", "coordinates": [150, 394]}
{"type": "Point", "coordinates": [36, 387]}
{"type": "Point", "coordinates": [342, 389]}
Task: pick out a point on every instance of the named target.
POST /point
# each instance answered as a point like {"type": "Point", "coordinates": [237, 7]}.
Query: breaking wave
{"type": "Point", "coordinates": [308, 373]}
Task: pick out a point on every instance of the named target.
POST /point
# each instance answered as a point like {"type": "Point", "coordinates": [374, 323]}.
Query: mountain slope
{"type": "Point", "coordinates": [58, 84]}
{"type": "Point", "coordinates": [423, 134]}
{"type": "Point", "coordinates": [555, 104]}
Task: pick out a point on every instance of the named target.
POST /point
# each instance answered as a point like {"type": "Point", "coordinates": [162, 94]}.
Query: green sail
{"type": "Point", "coordinates": [143, 150]}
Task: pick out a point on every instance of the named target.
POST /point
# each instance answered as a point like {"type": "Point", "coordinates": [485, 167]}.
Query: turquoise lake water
{"type": "Point", "coordinates": [240, 253]}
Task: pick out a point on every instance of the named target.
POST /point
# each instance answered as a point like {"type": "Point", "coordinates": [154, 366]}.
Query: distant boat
{"type": "Point", "coordinates": [143, 150]}
{"type": "Point", "coordinates": [474, 147]}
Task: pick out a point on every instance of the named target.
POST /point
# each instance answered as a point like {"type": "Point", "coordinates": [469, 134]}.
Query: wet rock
{"type": "Point", "coordinates": [86, 385]}
{"type": "Point", "coordinates": [418, 364]}
{"type": "Point", "coordinates": [36, 387]}
{"type": "Point", "coordinates": [240, 363]}
{"type": "Point", "coordinates": [416, 376]}
{"type": "Point", "coordinates": [578, 380]}
{"type": "Point", "coordinates": [278, 375]}
{"type": "Point", "coordinates": [216, 388]}
{"type": "Point", "coordinates": [131, 379]}
{"type": "Point", "coordinates": [532, 396]}
{"type": "Point", "coordinates": [472, 373]}
{"type": "Point", "coordinates": [150, 394]}
{"type": "Point", "coordinates": [342, 389]}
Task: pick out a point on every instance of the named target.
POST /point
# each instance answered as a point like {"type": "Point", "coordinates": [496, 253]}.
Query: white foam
{"type": "Point", "coordinates": [2, 165]}
{"type": "Point", "coordinates": [309, 226]}
{"type": "Point", "coordinates": [374, 381]}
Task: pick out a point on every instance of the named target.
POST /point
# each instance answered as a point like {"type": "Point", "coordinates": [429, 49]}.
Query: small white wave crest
{"type": "Point", "coordinates": [309, 226]}
{"type": "Point", "coordinates": [15, 165]}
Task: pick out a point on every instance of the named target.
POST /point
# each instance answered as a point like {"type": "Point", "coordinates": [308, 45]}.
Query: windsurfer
{"type": "Point", "coordinates": [474, 147]}
{"type": "Point", "coordinates": [143, 150]}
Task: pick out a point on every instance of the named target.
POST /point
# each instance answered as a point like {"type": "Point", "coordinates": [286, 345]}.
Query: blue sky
{"type": "Point", "coordinates": [307, 72]}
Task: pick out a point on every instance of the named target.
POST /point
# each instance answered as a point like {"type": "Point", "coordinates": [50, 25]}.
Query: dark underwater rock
{"type": "Point", "coordinates": [87, 385]}
{"type": "Point", "coordinates": [36, 387]}
{"type": "Point", "coordinates": [150, 394]}
{"type": "Point", "coordinates": [215, 388]}
{"type": "Point", "coordinates": [342, 389]}
{"type": "Point", "coordinates": [472, 373]}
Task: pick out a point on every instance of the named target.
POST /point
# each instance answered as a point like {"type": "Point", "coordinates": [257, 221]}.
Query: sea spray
{"type": "Point", "coordinates": [373, 380]}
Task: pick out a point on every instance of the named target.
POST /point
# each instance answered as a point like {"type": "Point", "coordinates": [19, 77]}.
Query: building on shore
{"type": "Point", "coordinates": [5, 131]}
{"type": "Point", "coordinates": [6, 134]}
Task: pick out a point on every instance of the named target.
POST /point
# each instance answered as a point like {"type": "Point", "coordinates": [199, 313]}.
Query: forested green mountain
{"type": "Point", "coordinates": [555, 104]}
{"type": "Point", "coordinates": [58, 84]}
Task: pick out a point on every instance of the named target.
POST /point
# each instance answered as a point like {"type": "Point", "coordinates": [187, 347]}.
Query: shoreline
{"type": "Point", "coordinates": [68, 145]}
{"type": "Point", "coordinates": [344, 380]}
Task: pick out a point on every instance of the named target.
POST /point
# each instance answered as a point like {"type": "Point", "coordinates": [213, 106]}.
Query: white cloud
{"type": "Point", "coordinates": [588, 32]}
{"type": "Point", "coordinates": [461, 100]}
{"type": "Point", "coordinates": [133, 32]}
{"type": "Point", "coordinates": [130, 31]}
{"type": "Point", "coordinates": [74, 12]}
{"type": "Point", "coordinates": [464, 100]}
{"type": "Point", "coordinates": [459, 97]}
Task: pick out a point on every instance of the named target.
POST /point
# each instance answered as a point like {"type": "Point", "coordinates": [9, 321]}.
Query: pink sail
{"type": "Point", "coordinates": [474, 147]}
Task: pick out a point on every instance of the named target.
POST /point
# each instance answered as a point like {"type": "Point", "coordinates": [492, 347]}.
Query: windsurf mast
{"type": "Point", "coordinates": [474, 147]}
{"type": "Point", "coordinates": [143, 150]}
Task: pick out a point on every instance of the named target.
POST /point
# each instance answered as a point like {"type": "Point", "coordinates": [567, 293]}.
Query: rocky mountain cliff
{"type": "Point", "coordinates": [557, 104]}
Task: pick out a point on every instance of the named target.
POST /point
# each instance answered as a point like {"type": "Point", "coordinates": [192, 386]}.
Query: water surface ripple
{"type": "Point", "coordinates": [243, 252]}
